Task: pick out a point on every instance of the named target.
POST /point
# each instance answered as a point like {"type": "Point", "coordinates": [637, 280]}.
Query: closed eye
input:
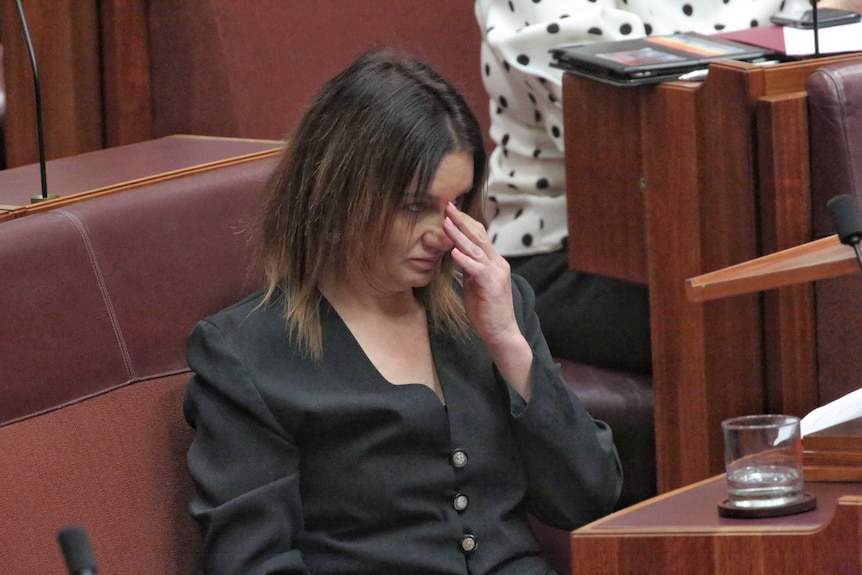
{"type": "Point", "coordinates": [416, 207]}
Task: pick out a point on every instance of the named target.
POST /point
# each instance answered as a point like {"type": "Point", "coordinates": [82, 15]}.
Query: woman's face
{"type": "Point", "coordinates": [416, 244]}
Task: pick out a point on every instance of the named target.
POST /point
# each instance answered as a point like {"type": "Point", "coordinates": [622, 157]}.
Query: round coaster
{"type": "Point", "coordinates": [807, 503]}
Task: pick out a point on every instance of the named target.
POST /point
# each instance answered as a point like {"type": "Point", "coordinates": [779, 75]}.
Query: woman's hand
{"type": "Point", "coordinates": [487, 277]}
{"type": "Point", "coordinates": [488, 297]}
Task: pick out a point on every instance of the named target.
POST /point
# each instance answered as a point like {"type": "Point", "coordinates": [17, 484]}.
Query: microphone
{"type": "Point", "coordinates": [77, 551]}
{"type": "Point", "coordinates": [816, 22]}
{"type": "Point", "coordinates": [845, 218]}
{"type": "Point", "coordinates": [40, 132]}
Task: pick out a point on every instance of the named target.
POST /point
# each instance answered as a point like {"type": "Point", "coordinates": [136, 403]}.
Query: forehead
{"type": "Point", "coordinates": [453, 177]}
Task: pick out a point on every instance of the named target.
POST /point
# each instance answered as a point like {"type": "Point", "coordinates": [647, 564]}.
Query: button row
{"type": "Point", "coordinates": [458, 459]}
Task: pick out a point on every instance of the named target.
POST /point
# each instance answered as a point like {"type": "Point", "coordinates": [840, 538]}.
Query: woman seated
{"type": "Point", "coordinates": [386, 403]}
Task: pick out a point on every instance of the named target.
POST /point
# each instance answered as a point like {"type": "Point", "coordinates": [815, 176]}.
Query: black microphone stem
{"type": "Point", "coordinates": [39, 129]}
{"type": "Point", "coordinates": [858, 251]}
{"type": "Point", "coordinates": [816, 28]}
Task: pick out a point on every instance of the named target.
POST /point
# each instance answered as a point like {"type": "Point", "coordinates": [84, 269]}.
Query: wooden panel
{"type": "Point", "coordinates": [678, 328]}
{"type": "Point", "coordinates": [826, 258]}
{"type": "Point", "coordinates": [227, 68]}
{"type": "Point", "coordinates": [701, 215]}
{"type": "Point", "coordinates": [604, 174]}
{"type": "Point", "coordinates": [785, 207]}
{"type": "Point", "coordinates": [702, 146]}
{"type": "Point", "coordinates": [791, 76]}
{"type": "Point", "coordinates": [729, 234]}
{"type": "Point", "coordinates": [65, 38]}
{"type": "Point", "coordinates": [126, 69]}
{"type": "Point", "coordinates": [680, 533]}
{"type": "Point", "coordinates": [835, 453]}
{"type": "Point", "coordinates": [116, 72]}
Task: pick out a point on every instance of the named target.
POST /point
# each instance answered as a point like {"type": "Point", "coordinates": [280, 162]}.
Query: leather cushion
{"type": "Point", "coordinates": [835, 124]}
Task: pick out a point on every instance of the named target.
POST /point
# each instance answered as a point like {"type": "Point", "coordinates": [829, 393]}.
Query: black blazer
{"type": "Point", "coordinates": [326, 468]}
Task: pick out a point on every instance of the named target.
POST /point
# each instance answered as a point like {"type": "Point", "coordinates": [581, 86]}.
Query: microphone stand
{"type": "Point", "coordinates": [816, 22]}
{"type": "Point", "coordinates": [40, 131]}
{"type": "Point", "coordinates": [858, 251]}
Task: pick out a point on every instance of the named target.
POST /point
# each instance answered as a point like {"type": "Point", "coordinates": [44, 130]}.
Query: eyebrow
{"type": "Point", "coordinates": [427, 195]}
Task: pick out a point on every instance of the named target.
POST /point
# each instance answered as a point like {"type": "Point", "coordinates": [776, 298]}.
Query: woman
{"type": "Point", "coordinates": [372, 410]}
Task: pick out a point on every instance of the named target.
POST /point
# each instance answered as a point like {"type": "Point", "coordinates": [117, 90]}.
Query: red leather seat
{"type": "Point", "coordinates": [2, 114]}
{"type": "Point", "coordinates": [96, 301]}
{"type": "Point", "coordinates": [835, 132]}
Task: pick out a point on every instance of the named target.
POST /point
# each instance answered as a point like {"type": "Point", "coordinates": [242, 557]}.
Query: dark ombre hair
{"type": "Point", "coordinates": [374, 133]}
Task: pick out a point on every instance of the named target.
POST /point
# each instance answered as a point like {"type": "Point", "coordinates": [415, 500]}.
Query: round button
{"type": "Point", "coordinates": [459, 458]}
{"type": "Point", "coordinates": [468, 543]}
{"type": "Point", "coordinates": [460, 502]}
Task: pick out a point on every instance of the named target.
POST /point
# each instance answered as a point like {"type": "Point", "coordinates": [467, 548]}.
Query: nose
{"type": "Point", "coordinates": [435, 238]}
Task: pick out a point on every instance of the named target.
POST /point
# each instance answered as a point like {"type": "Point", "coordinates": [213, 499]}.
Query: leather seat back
{"type": "Point", "coordinates": [835, 124]}
{"type": "Point", "coordinates": [96, 301]}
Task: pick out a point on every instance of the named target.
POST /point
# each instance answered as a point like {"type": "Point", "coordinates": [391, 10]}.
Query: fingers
{"type": "Point", "coordinates": [487, 283]}
{"type": "Point", "coordinates": [473, 251]}
{"type": "Point", "coordinates": [468, 236]}
{"type": "Point", "coordinates": [465, 253]}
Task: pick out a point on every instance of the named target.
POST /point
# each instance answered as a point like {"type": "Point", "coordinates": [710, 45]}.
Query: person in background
{"type": "Point", "coordinates": [587, 318]}
{"type": "Point", "coordinates": [387, 402]}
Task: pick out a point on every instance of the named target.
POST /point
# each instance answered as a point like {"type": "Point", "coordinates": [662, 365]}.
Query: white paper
{"type": "Point", "coordinates": [838, 411]}
{"type": "Point", "coordinates": [831, 40]}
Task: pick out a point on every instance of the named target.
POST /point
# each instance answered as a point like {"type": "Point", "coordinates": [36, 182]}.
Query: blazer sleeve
{"type": "Point", "coordinates": [573, 470]}
{"type": "Point", "coordinates": [244, 465]}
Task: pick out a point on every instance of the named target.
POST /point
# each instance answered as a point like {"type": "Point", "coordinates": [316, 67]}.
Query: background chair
{"type": "Point", "coordinates": [835, 131]}
{"type": "Point", "coordinates": [2, 114]}
{"type": "Point", "coordinates": [96, 300]}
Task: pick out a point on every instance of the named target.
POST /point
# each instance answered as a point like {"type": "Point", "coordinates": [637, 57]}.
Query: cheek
{"type": "Point", "coordinates": [400, 238]}
{"type": "Point", "coordinates": [406, 232]}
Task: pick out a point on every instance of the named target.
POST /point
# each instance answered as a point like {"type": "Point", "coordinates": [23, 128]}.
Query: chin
{"type": "Point", "coordinates": [422, 279]}
{"type": "Point", "coordinates": [421, 284]}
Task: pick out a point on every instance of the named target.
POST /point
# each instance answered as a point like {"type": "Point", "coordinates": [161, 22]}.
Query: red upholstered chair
{"type": "Point", "coordinates": [96, 301]}
{"type": "Point", "coordinates": [835, 128]}
{"type": "Point", "coordinates": [2, 114]}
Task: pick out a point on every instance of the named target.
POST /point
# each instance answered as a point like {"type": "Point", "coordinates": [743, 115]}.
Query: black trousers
{"type": "Point", "coordinates": [591, 319]}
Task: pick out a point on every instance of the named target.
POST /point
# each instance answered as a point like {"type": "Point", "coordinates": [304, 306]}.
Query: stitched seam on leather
{"type": "Point", "coordinates": [103, 290]}
{"type": "Point", "coordinates": [89, 396]}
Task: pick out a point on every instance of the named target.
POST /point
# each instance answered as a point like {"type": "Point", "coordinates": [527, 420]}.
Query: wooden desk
{"type": "Point", "coordinates": [667, 182]}
{"type": "Point", "coordinates": [681, 533]}
{"type": "Point", "coordinates": [125, 167]}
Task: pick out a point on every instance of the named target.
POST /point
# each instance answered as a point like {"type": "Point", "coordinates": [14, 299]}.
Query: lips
{"type": "Point", "coordinates": [426, 263]}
